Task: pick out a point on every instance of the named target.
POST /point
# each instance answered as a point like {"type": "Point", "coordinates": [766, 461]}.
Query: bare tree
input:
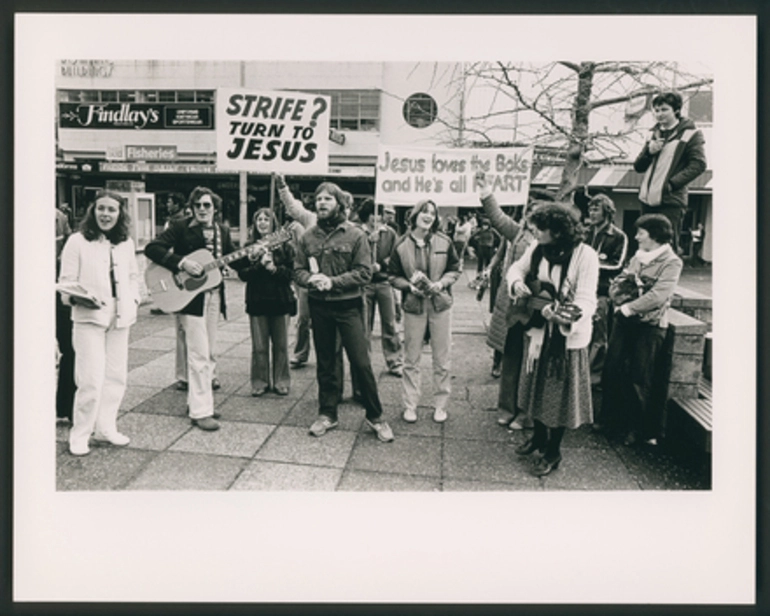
{"type": "Point", "coordinates": [552, 105]}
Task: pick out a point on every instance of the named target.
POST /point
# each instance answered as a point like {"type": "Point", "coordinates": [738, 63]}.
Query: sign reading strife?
{"type": "Point", "coordinates": [407, 175]}
{"type": "Point", "coordinates": [266, 131]}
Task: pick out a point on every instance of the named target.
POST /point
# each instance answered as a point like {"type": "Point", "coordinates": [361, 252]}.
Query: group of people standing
{"type": "Point", "coordinates": [571, 310]}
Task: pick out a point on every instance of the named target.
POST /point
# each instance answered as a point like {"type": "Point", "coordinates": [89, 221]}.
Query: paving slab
{"type": "Point", "coordinates": [237, 439]}
{"type": "Point", "coordinates": [660, 469]}
{"type": "Point", "coordinates": [607, 471]}
{"type": "Point", "coordinates": [157, 373]}
{"type": "Point", "coordinates": [265, 410]}
{"type": "Point", "coordinates": [305, 412]}
{"type": "Point", "coordinates": [105, 468]}
{"type": "Point", "coordinates": [135, 395]}
{"type": "Point", "coordinates": [485, 462]}
{"type": "Point", "coordinates": [296, 445]}
{"type": "Point", "coordinates": [188, 471]}
{"type": "Point", "coordinates": [406, 455]}
{"type": "Point", "coordinates": [463, 485]}
{"type": "Point", "coordinates": [424, 426]}
{"type": "Point", "coordinates": [278, 476]}
{"type": "Point", "coordinates": [156, 342]}
{"type": "Point", "coordinates": [468, 422]}
{"type": "Point", "coordinates": [366, 481]}
{"type": "Point", "coordinates": [155, 432]}
{"type": "Point", "coordinates": [140, 357]}
{"type": "Point", "coordinates": [165, 402]}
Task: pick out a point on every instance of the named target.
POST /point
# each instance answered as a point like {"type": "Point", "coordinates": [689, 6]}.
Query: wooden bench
{"type": "Point", "coordinates": [699, 411]}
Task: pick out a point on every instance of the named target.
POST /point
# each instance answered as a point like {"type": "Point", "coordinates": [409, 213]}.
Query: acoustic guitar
{"type": "Point", "coordinates": [173, 291]}
{"type": "Point", "coordinates": [543, 294]}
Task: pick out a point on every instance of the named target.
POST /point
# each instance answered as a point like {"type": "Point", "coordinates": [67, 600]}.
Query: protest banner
{"type": "Point", "coordinates": [265, 131]}
{"type": "Point", "coordinates": [406, 175]}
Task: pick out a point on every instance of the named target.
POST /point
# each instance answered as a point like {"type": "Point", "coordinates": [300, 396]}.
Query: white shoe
{"type": "Point", "coordinates": [440, 415]}
{"type": "Point", "coordinates": [117, 439]}
{"type": "Point", "coordinates": [409, 415]}
{"type": "Point", "coordinates": [82, 450]}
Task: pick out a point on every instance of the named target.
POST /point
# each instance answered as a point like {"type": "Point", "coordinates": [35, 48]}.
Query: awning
{"type": "Point", "coordinates": [622, 179]}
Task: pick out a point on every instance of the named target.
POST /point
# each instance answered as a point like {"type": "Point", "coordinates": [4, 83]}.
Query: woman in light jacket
{"type": "Point", "coordinates": [100, 258]}
{"type": "Point", "coordinates": [423, 266]}
{"type": "Point", "coordinates": [555, 382]}
{"type": "Point", "coordinates": [641, 296]}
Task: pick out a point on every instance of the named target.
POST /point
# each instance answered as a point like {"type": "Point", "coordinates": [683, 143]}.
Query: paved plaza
{"type": "Point", "coordinates": [263, 443]}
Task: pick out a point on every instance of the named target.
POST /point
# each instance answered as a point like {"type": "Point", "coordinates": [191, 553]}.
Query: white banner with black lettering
{"type": "Point", "coordinates": [264, 131]}
{"type": "Point", "coordinates": [406, 175]}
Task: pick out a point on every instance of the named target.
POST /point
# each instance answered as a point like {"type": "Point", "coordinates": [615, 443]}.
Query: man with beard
{"type": "Point", "coordinates": [334, 263]}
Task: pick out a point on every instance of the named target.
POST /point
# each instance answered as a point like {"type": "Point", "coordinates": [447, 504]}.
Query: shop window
{"type": "Point", "coordinates": [167, 96]}
{"type": "Point", "coordinates": [127, 96]}
{"type": "Point", "coordinates": [420, 110]}
{"type": "Point", "coordinates": [353, 109]}
{"type": "Point", "coordinates": [89, 96]}
{"type": "Point", "coordinates": [149, 96]}
{"type": "Point", "coordinates": [204, 96]}
{"type": "Point", "coordinates": [185, 96]}
{"type": "Point", "coordinates": [109, 96]}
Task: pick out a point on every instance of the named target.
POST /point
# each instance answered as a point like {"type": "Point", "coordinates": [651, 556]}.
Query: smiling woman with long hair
{"type": "Point", "coordinates": [100, 260]}
{"type": "Point", "coordinates": [423, 266]}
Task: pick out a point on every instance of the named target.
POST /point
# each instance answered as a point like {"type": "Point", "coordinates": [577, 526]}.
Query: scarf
{"type": "Point", "coordinates": [645, 257]}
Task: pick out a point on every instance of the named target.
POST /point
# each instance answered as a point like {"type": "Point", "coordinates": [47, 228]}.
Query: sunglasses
{"type": "Point", "coordinates": [205, 205]}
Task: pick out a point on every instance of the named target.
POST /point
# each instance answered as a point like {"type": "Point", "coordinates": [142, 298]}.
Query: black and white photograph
{"type": "Point", "coordinates": [431, 308]}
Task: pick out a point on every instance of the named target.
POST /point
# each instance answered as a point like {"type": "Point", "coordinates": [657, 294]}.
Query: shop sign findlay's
{"type": "Point", "coordinates": [137, 116]}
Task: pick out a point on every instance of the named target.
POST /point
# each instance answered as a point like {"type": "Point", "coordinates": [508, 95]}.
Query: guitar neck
{"type": "Point", "coordinates": [267, 242]}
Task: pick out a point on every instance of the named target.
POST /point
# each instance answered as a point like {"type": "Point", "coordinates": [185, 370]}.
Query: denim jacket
{"type": "Point", "coordinates": [342, 254]}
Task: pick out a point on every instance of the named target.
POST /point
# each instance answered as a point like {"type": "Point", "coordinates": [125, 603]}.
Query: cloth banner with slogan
{"type": "Point", "coordinates": [264, 131]}
{"type": "Point", "coordinates": [407, 175]}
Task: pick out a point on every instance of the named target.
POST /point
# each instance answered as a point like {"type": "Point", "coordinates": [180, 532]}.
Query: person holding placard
{"type": "Point", "coordinates": [423, 266]}
{"type": "Point", "coordinates": [556, 278]}
{"type": "Point", "coordinates": [334, 264]}
{"type": "Point", "coordinates": [99, 277]}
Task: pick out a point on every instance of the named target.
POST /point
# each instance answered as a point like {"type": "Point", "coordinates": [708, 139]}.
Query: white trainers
{"type": "Point", "coordinates": [117, 439]}
{"type": "Point", "coordinates": [382, 429]}
{"type": "Point", "coordinates": [79, 450]}
{"type": "Point", "coordinates": [322, 425]}
{"type": "Point", "coordinates": [409, 415]}
{"type": "Point", "coordinates": [440, 415]}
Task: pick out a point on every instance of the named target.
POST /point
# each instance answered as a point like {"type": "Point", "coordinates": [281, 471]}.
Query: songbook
{"type": "Point", "coordinates": [75, 289]}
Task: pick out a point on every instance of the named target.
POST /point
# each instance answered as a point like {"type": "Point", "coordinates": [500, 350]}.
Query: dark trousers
{"type": "Point", "coordinates": [675, 213]}
{"type": "Point", "coordinates": [484, 255]}
{"type": "Point", "coordinates": [632, 397]}
{"type": "Point", "coordinates": [347, 318]}
{"type": "Point", "coordinates": [65, 387]}
{"type": "Point", "coordinates": [511, 367]}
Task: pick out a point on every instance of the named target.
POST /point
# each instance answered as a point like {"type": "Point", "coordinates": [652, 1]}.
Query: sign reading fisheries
{"type": "Point", "coordinates": [266, 131]}
{"type": "Point", "coordinates": [407, 175]}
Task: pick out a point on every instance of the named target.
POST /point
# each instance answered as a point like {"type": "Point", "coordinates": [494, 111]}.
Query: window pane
{"type": "Point", "coordinates": [109, 96]}
{"type": "Point", "coordinates": [186, 96]}
{"type": "Point", "coordinates": [89, 96]}
{"type": "Point", "coordinates": [204, 96]}
{"type": "Point", "coordinates": [127, 96]}
{"type": "Point", "coordinates": [150, 96]}
{"type": "Point", "coordinates": [167, 96]}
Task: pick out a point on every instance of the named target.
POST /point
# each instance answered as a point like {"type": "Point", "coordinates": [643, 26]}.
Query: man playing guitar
{"type": "Point", "coordinates": [200, 316]}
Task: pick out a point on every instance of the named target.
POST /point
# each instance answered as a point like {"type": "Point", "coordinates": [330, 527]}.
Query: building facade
{"type": "Point", "coordinates": [146, 129]}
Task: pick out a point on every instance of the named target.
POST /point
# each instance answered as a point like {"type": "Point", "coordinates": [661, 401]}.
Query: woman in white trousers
{"type": "Point", "coordinates": [98, 268]}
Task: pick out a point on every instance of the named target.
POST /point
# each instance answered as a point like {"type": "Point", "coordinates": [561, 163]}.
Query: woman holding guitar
{"type": "Point", "coordinates": [269, 301]}
{"type": "Point", "coordinates": [557, 278]}
{"type": "Point", "coordinates": [100, 279]}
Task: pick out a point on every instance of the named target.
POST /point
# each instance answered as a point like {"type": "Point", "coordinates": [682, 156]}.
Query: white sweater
{"type": "Point", "coordinates": [583, 274]}
{"type": "Point", "coordinates": [88, 263]}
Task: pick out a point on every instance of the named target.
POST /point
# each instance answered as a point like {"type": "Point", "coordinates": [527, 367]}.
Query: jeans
{"type": "Point", "coordinates": [380, 294]}
{"type": "Point", "coordinates": [101, 371]}
{"type": "Point", "coordinates": [415, 325]}
{"type": "Point", "coordinates": [200, 398]}
{"type": "Point", "coordinates": [509, 374]}
{"type": "Point", "coordinates": [346, 319]}
{"type": "Point", "coordinates": [264, 330]}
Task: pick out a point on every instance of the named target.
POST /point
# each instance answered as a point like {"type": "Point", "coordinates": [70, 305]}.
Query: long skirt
{"type": "Point", "coordinates": [557, 401]}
